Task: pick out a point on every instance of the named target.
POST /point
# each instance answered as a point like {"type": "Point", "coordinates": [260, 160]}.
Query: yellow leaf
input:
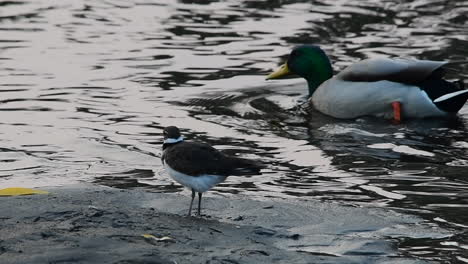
{"type": "Point", "coordinates": [149, 236]}
{"type": "Point", "coordinates": [20, 191]}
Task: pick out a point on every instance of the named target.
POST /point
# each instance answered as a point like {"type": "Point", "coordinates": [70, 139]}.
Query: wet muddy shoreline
{"type": "Point", "coordinates": [89, 224]}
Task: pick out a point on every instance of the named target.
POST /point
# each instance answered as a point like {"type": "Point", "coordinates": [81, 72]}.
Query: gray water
{"type": "Point", "coordinates": [87, 86]}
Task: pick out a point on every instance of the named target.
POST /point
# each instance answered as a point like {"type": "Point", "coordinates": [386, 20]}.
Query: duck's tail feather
{"type": "Point", "coordinates": [452, 102]}
{"type": "Point", "coordinates": [448, 96]}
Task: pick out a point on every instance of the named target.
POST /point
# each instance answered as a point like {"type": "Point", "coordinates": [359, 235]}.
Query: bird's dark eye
{"type": "Point", "coordinates": [294, 53]}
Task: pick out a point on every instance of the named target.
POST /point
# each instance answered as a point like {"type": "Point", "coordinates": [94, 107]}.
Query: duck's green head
{"type": "Point", "coordinates": [309, 62]}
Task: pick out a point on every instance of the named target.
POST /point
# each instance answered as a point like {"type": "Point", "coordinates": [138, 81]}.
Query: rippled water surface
{"type": "Point", "coordinates": [86, 87]}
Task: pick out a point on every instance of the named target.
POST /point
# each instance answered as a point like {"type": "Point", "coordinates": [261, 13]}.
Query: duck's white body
{"type": "Point", "coordinates": [343, 99]}
{"type": "Point", "coordinates": [370, 86]}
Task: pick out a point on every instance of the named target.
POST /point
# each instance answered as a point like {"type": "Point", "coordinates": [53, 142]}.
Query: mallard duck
{"type": "Point", "coordinates": [388, 88]}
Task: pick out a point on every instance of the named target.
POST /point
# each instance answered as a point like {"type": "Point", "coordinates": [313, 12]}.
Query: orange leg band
{"type": "Point", "coordinates": [396, 111]}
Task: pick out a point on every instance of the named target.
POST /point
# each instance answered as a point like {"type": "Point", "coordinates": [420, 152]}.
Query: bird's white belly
{"type": "Point", "coordinates": [201, 183]}
{"type": "Point", "coordinates": [342, 99]}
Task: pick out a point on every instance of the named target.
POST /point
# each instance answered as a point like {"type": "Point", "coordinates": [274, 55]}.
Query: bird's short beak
{"type": "Point", "coordinates": [282, 71]}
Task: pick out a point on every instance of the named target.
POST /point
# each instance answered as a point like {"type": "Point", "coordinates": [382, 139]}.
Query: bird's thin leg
{"type": "Point", "coordinates": [191, 203]}
{"type": "Point", "coordinates": [199, 203]}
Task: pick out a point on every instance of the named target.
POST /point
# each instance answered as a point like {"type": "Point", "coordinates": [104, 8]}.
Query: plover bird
{"type": "Point", "coordinates": [199, 166]}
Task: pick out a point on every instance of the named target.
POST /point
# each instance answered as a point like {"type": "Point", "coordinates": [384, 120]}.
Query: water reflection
{"type": "Point", "coordinates": [86, 88]}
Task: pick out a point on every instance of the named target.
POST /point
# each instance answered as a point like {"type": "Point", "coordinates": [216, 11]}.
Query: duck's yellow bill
{"type": "Point", "coordinates": [282, 71]}
{"type": "Point", "coordinates": [20, 191]}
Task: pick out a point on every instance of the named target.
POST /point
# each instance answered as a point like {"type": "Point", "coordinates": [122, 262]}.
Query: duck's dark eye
{"type": "Point", "coordinates": [294, 53]}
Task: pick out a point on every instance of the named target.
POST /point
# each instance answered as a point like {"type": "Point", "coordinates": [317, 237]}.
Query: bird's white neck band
{"type": "Point", "coordinates": [173, 140]}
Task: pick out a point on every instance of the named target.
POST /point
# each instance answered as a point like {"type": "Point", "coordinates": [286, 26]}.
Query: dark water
{"type": "Point", "coordinates": [86, 86]}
